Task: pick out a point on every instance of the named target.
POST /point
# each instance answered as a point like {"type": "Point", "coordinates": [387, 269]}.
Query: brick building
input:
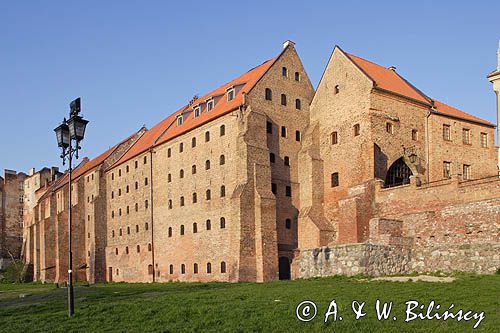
{"type": "Point", "coordinates": [242, 183]}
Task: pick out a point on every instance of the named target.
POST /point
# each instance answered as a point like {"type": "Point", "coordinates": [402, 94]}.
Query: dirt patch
{"type": "Point", "coordinates": [425, 278]}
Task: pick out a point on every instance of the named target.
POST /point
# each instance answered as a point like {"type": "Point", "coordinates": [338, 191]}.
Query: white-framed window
{"type": "Point", "coordinates": [210, 105]}
{"type": "Point", "coordinates": [230, 94]}
{"type": "Point", "coordinates": [484, 140]}
{"type": "Point", "coordinates": [197, 111]}
{"type": "Point", "coordinates": [466, 172]}
{"type": "Point", "coordinates": [466, 136]}
{"type": "Point", "coordinates": [180, 120]}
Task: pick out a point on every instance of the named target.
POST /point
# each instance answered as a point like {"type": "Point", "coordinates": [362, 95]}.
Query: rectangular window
{"type": "Point", "coordinates": [274, 188]}
{"type": "Point", "coordinates": [272, 158]}
{"type": "Point", "coordinates": [484, 140]}
{"type": "Point", "coordinates": [288, 191]}
{"type": "Point", "coordinates": [283, 131]}
{"type": "Point", "coordinates": [297, 135]}
{"type": "Point", "coordinates": [230, 94]}
{"type": "Point", "coordinates": [210, 105]}
{"type": "Point", "coordinates": [334, 138]}
{"type": "Point", "coordinates": [414, 135]}
{"type": "Point", "coordinates": [466, 136]}
{"type": "Point", "coordinates": [179, 120]}
{"type": "Point", "coordinates": [335, 179]}
{"type": "Point", "coordinates": [466, 172]}
{"type": "Point", "coordinates": [356, 129]}
{"type": "Point", "coordinates": [389, 128]}
{"type": "Point", "coordinates": [446, 133]}
{"type": "Point", "coordinates": [446, 169]}
{"type": "Point", "coordinates": [197, 112]}
{"type": "Point", "coordinates": [269, 127]}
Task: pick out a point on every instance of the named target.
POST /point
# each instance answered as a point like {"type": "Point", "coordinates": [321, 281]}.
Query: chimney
{"type": "Point", "coordinates": [195, 97]}
{"type": "Point", "coordinates": [392, 68]}
{"type": "Point", "coordinates": [32, 171]}
{"type": "Point", "coordinates": [288, 42]}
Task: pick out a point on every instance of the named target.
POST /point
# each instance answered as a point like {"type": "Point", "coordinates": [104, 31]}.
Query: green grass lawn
{"type": "Point", "coordinates": [244, 307]}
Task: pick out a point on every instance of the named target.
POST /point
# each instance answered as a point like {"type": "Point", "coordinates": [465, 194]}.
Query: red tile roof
{"type": "Point", "coordinates": [167, 129]}
{"type": "Point", "coordinates": [389, 80]}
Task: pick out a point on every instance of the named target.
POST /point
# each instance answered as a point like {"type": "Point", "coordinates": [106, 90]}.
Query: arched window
{"type": "Point", "coordinates": [169, 231]}
{"type": "Point", "coordinates": [207, 165]}
{"type": "Point", "coordinates": [145, 159]}
{"type": "Point", "coordinates": [181, 147]}
{"type": "Point", "coordinates": [195, 268]}
{"type": "Point", "coordinates": [297, 76]}
{"type": "Point", "coordinates": [298, 104]}
{"type": "Point", "coordinates": [195, 228]}
{"type": "Point", "coordinates": [222, 130]}
{"type": "Point", "coordinates": [284, 71]}
{"type": "Point", "coordinates": [398, 174]}
{"type": "Point", "coordinates": [171, 269]}
{"type": "Point", "coordinates": [150, 269]}
{"type": "Point", "coordinates": [222, 223]}
{"type": "Point", "coordinates": [283, 99]}
{"type": "Point", "coordinates": [170, 204]}
{"type": "Point", "coordinates": [209, 225]}
{"type": "Point", "coordinates": [269, 94]}
{"type": "Point", "coordinates": [223, 267]}
{"type": "Point", "coordinates": [138, 248]}
{"type": "Point", "coordinates": [181, 173]}
{"type": "Point", "coordinates": [169, 152]}
{"type": "Point", "coordinates": [222, 191]}
{"type": "Point", "coordinates": [182, 201]}
{"type": "Point", "coordinates": [222, 159]}
{"type": "Point", "coordinates": [209, 268]}
{"type": "Point", "coordinates": [150, 248]}
{"type": "Point", "coordinates": [182, 230]}
{"type": "Point", "coordinates": [146, 226]}
{"type": "Point", "coordinates": [207, 136]}
{"type": "Point", "coordinates": [193, 142]}
{"type": "Point", "coordinates": [208, 195]}
{"type": "Point", "coordinates": [286, 160]}
{"type": "Point", "coordinates": [195, 198]}
{"type": "Point", "coordinates": [183, 269]}
{"type": "Point", "coordinates": [136, 164]}
{"type": "Point", "coordinates": [193, 169]}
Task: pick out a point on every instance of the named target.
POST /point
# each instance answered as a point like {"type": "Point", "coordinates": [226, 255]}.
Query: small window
{"type": "Point", "coordinates": [334, 139]}
{"type": "Point", "coordinates": [170, 204]}
{"type": "Point", "coordinates": [150, 248]}
{"type": "Point", "coordinates": [484, 140]}
{"type": "Point", "coordinates": [169, 152]}
{"type": "Point", "coordinates": [127, 189]}
{"type": "Point", "coordinates": [207, 165]}
{"type": "Point", "coordinates": [128, 210]}
{"type": "Point", "coordinates": [119, 192]}
{"type": "Point", "coordinates": [138, 248]}
{"type": "Point", "coordinates": [208, 195]}
{"type": "Point", "coordinates": [112, 176]}
{"type": "Point", "coordinates": [297, 135]}
{"type": "Point", "coordinates": [146, 204]}
{"type": "Point", "coordinates": [272, 157]}
{"type": "Point", "coordinates": [335, 179]}
{"type": "Point", "coordinates": [269, 94]}
{"type": "Point", "coordinates": [193, 142]}
{"type": "Point", "coordinates": [288, 191]}
{"type": "Point", "coordinates": [210, 105]}
{"type": "Point", "coordinates": [121, 232]}
{"type": "Point", "coordinates": [195, 228]}
{"type": "Point", "coordinates": [230, 94]}
{"type": "Point", "coordinates": [222, 191]}
{"type": "Point", "coordinates": [298, 104]}
{"type": "Point", "coordinates": [119, 212]}
{"type": "Point", "coordinates": [467, 172]}
{"type": "Point", "coordinates": [182, 230]}
{"type": "Point", "coordinates": [283, 131]}
{"type": "Point", "coordinates": [389, 128]}
{"type": "Point", "coordinates": [126, 249]}
{"type": "Point", "coordinates": [112, 194]}
{"type": "Point", "coordinates": [207, 136]}
{"type": "Point", "coordinates": [169, 231]}
{"type": "Point", "coordinates": [283, 99]}
{"type": "Point", "coordinates": [193, 169]}
{"type": "Point", "coordinates": [336, 90]}
{"type": "Point", "coordinates": [297, 76]}
{"type": "Point", "coordinates": [146, 181]}
{"type": "Point", "coordinates": [113, 233]}
{"type": "Point", "coordinates": [145, 160]}
{"type": "Point", "coordinates": [112, 214]}
{"type": "Point", "coordinates": [446, 132]}
{"type": "Point", "coordinates": [128, 230]}
{"type": "Point", "coordinates": [414, 135]}
{"type": "Point", "coordinates": [269, 127]}
{"type": "Point", "coordinates": [222, 130]}
{"type": "Point", "coordinates": [181, 201]}
{"type": "Point", "coordinates": [446, 169]}
{"type": "Point", "coordinates": [195, 197]}
{"type": "Point", "coordinates": [181, 147]}
{"type": "Point", "coordinates": [209, 225]}
{"type": "Point", "coordinates": [180, 120]}
{"type": "Point", "coordinates": [119, 172]}
{"type": "Point", "coordinates": [466, 136]}
{"type": "Point", "coordinates": [136, 164]}
{"type": "Point", "coordinates": [126, 168]}
{"type": "Point", "coordinates": [146, 226]}
{"type": "Point", "coordinates": [195, 268]}
{"type": "Point", "coordinates": [286, 161]}
{"type": "Point", "coordinates": [288, 223]}
{"type": "Point", "coordinates": [222, 160]}
{"type": "Point", "coordinates": [171, 269]}
{"type": "Point", "coordinates": [274, 188]}
{"type": "Point", "coordinates": [209, 268]}
{"type": "Point", "coordinates": [136, 207]}
{"type": "Point", "coordinates": [356, 129]}
{"type": "Point", "coordinates": [181, 173]}
{"type": "Point", "coordinates": [169, 178]}
{"type": "Point", "coordinates": [197, 112]}
{"type": "Point", "coordinates": [183, 269]}
{"type": "Point", "coordinates": [222, 223]}
{"type": "Point", "coordinates": [284, 71]}
{"type": "Point", "coordinates": [223, 267]}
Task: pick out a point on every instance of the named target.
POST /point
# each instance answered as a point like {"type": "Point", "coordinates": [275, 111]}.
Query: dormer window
{"type": "Point", "coordinates": [197, 111]}
{"type": "Point", "coordinates": [210, 105]}
{"type": "Point", "coordinates": [230, 94]}
{"type": "Point", "coordinates": [180, 120]}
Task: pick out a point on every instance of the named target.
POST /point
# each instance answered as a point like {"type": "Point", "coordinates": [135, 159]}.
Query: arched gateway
{"type": "Point", "coordinates": [398, 174]}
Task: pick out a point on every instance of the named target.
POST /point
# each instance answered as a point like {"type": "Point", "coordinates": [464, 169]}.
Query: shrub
{"type": "Point", "coordinates": [13, 272]}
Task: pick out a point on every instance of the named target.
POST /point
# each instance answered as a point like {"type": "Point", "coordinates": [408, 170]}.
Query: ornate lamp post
{"type": "Point", "coordinates": [69, 132]}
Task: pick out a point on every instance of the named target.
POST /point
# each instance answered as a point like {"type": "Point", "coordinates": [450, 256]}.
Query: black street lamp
{"type": "Point", "coordinates": [71, 130]}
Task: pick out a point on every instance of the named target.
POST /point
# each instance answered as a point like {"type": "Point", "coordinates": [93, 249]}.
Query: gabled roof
{"type": "Point", "coordinates": [388, 80]}
{"type": "Point", "coordinates": [168, 129]}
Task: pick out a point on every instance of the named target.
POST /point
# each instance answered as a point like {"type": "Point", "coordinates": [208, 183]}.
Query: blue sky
{"type": "Point", "coordinates": [135, 62]}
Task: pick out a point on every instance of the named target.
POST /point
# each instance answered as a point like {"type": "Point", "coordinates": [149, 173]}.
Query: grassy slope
{"type": "Point", "coordinates": [242, 307]}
